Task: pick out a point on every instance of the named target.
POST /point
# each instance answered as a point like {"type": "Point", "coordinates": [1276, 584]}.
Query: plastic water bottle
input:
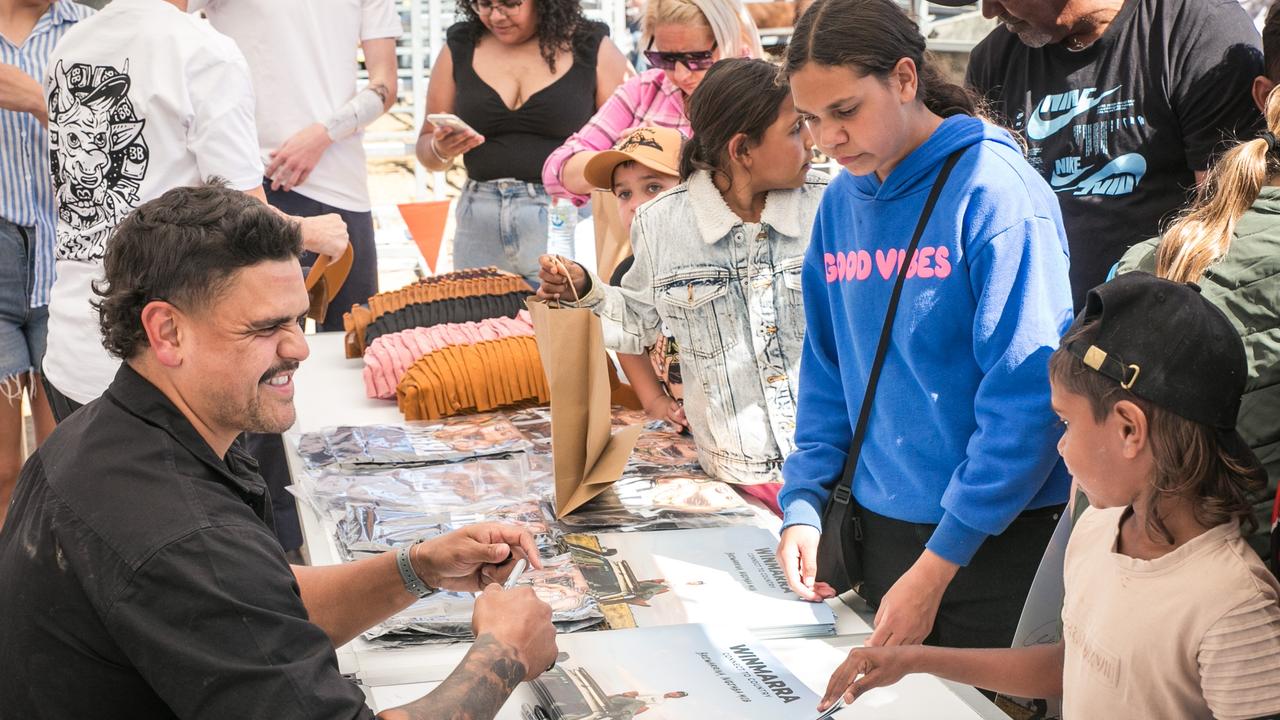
{"type": "Point", "coordinates": [562, 221]}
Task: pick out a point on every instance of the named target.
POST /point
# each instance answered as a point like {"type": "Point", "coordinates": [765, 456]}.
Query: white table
{"type": "Point", "coordinates": [913, 698]}
{"type": "Point", "coordinates": [330, 391]}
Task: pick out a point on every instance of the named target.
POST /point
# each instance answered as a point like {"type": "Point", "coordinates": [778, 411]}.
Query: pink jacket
{"type": "Point", "coordinates": [646, 99]}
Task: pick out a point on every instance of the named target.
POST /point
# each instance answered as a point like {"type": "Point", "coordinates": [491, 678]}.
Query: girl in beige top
{"type": "Point", "coordinates": [1168, 612]}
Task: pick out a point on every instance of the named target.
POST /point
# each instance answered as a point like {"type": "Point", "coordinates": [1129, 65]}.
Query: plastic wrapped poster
{"type": "Point", "coordinates": [670, 502]}
{"type": "Point", "coordinates": [410, 443]}
{"type": "Point", "coordinates": [460, 487]}
{"type": "Point", "coordinates": [447, 615]}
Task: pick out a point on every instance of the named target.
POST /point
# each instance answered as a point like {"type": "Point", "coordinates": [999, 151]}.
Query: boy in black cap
{"type": "Point", "coordinates": [1168, 613]}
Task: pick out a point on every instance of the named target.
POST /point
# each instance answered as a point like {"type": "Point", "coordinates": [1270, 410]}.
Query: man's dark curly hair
{"type": "Point", "coordinates": [561, 25]}
{"type": "Point", "coordinates": [184, 248]}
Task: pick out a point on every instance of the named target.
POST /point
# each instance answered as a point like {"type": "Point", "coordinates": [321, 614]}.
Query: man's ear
{"type": "Point", "coordinates": [163, 323]}
{"type": "Point", "coordinates": [1132, 426]}
{"type": "Point", "coordinates": [1262, 87]}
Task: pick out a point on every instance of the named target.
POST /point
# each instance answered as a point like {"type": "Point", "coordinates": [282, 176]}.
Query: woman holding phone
{"type": "Point", "coordinates": [521, 76]}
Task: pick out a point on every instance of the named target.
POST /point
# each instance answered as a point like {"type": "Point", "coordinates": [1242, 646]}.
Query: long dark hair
{"type": "Point", "coordinates": [739, 95]}
{"type": "Point", "coordinates": [871, 36]}
{"type": "Point", "coordinates": [560, 24]}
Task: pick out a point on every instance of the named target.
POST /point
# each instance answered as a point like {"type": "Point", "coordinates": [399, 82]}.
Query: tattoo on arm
{"type": "Point", "coordinates": [381, 90]}
{"type": "Point", "coordinates": [476, 690]}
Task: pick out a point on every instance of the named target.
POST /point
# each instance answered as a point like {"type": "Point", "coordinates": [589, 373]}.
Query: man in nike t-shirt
{"type": "Point", "coordinates": [1122, 104]}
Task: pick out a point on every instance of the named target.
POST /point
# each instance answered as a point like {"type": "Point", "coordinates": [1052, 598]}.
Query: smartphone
{"type": "Point", "coordinates": [450, 120]}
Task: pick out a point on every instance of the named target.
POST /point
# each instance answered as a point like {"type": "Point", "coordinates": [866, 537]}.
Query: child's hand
{"type": "Point", "coordinates": [555, 286]}
{"type": "Point", "coordinates": [665, 407]}
{"type": "Point", "coordinates": [877, 667]}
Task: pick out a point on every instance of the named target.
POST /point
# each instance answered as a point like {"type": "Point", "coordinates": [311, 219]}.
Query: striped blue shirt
{"type": "Point", "coordinates": [26, 188]}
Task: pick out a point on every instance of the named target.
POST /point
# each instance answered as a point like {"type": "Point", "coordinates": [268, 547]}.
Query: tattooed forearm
{"type": "Point", "coordinates": [476, 690]}
{"type": "Point", "coordinates": [381, 90]}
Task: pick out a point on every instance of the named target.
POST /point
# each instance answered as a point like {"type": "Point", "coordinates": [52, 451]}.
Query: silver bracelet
{"type": "Point", "coordinates": [409, 576]}
{"type": "Point", "coordinates": [434, 151]}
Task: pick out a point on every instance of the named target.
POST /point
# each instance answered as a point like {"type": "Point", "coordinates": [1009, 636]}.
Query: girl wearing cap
{"type": "Point", "coordinates": [1168, 613]}
{"type": "Point", "coordinates": [957, 488]}
{"type": "Point", "coordinates": [681, 40]}
{"type": "Point", "coordinates": [523, 75]}
{"type": "Point", "coordinates": [1228, 242]}
{"type": "Point", "coordinates": [717, 263]}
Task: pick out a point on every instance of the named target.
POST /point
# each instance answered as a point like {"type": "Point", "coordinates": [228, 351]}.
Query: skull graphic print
{"type": "Point", "coordinates": [98, 155]}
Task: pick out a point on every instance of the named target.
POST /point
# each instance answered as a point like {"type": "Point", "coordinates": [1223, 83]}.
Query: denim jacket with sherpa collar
{"type": "Point", "coordinates": [729, 293]}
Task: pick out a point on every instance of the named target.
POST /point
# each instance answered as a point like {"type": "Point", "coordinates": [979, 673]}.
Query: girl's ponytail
{"type": "Point", "coordinates": [1202, 235]}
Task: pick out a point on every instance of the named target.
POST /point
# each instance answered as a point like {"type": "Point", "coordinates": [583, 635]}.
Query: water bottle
{"type": "Point", "coordinates": [562, 221]}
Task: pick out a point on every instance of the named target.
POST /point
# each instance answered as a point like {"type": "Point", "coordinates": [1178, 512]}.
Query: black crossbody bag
{"type": "Point", "coordinates": [839, 549]}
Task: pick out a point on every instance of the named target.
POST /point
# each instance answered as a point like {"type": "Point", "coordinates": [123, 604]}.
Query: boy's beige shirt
{"type": "Point", "coordinates": [1193, 634]}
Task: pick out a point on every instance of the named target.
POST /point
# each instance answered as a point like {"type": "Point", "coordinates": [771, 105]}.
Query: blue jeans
{"type": "Point", "coordinates": [502, 223]}
{"type": "Point", "coordinates": [23, 329]}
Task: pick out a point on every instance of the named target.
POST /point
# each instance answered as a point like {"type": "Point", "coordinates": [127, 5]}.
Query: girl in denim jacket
{"type": "Point", "coordinates": [718, 260]}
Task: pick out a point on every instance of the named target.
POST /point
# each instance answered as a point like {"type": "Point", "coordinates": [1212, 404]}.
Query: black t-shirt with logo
{"type": "Point", "coordinates": [1119, 128]}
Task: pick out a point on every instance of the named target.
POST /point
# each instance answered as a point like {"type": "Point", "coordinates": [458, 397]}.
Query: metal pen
{"type": "Point", "coordinates": [516, 572]}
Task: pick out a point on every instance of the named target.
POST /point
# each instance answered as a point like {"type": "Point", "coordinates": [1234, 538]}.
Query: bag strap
{"type": "Point", "coordinates": [844, 491]}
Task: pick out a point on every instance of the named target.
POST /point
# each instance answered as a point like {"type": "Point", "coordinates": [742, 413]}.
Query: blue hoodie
{"type": "Point", "coordinates": [961, 433]}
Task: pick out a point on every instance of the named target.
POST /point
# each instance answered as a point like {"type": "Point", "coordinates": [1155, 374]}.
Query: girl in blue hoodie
{"type": "Point", "coordinates": [958, 485]}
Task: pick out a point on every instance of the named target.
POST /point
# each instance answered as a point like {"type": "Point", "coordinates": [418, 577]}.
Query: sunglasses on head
{"type": "Point", "coordinates": [695, 61]}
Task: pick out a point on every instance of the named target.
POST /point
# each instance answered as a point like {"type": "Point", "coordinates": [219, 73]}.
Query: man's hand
{"type": "Point", "coordinates": [908, 610]}
{"type": "Point", "coordinates": [876, 666]}
{"type": "Point", "coordinates": [519, 620]}
{"type": "Point", "coordinates": [473, 557]}
{"type": "Point", "coordinates": [325, 235]}
{"type": "Point", "coordinates": [555, 286]}
{"type": "Point", "coordinates": [798, 556]}
{"type": "Point", "coordinates": [665, 407]}
{"type": "Point", "coordinates": [292, 162]}
{"type": "Point", "coordinates": [22, 93]}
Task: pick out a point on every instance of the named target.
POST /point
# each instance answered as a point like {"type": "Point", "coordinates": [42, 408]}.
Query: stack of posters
{"type": "Point", "coordinates": [413, 443]}
{"type": "Point", "coordinates": [678, 672]}
{"type": "Point", "coordinates": [695, 576]}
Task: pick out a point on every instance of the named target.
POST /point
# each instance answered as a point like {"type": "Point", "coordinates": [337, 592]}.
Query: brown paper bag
{"type": "Point", "coordinates": [587, 458]}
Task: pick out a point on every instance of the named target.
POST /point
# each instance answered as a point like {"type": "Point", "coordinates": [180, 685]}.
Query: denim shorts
{"type": "Point", "coordinates": [23, 329]}
{"type": "Point", "coordinates": [502, 223]}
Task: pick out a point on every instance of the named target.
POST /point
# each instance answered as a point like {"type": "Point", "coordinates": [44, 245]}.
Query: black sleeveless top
{"type": "Point", "coordinates": [517, 142]}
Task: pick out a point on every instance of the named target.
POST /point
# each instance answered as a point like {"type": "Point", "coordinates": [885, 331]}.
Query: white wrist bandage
{"type": "Point", "coordinates": [359, 111]}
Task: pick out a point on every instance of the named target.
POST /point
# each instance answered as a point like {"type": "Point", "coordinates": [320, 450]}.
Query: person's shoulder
{"type": "Point", "coordinates": [1141, 256]}
{"type": "Point", "coordinates": [462, 31]}
{"type": "Point", "coordinates": [987, 55]}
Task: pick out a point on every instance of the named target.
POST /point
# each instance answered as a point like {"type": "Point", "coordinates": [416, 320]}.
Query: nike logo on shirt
{"type": "Point", "coordinates": [1057, 111]}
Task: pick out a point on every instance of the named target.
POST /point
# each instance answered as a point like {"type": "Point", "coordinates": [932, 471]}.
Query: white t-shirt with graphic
{"type": "Point", "coordinates": [143, 98]}
{"type": "Point", "coordinates": [302, 56]}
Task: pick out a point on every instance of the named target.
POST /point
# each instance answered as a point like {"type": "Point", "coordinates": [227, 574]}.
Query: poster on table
{"type": "Point", "coordinates": [678, 672]}
{"type": "Point", "coordinates": [689, 576]}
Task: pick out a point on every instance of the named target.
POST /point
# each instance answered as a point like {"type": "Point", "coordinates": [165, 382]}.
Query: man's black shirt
{"type": "Point", "coordinates": [1120, 129]}
{"type": "Point", "coordinates": [139, 578]}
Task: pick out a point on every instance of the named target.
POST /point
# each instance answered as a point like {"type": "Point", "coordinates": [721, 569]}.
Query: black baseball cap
{"type": "Point", "coordinates": [1164, 342]}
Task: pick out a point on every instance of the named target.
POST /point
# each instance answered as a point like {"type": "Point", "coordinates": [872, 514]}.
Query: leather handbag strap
{"type": "Point", "coordinates": [844, 491]}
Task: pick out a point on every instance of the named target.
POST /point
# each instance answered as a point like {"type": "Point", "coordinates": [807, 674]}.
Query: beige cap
{"type": "Point", "coordinates": [654, 147]}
